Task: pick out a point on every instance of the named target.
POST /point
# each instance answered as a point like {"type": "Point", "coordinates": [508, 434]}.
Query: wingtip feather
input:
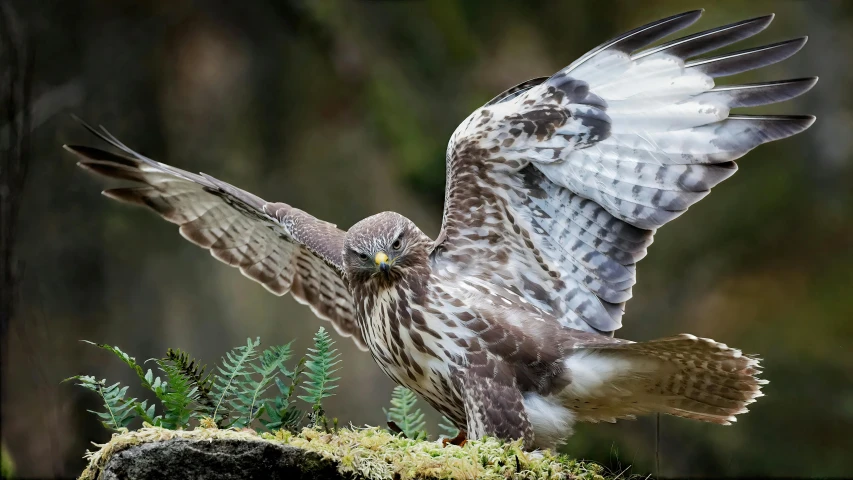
{"type": "Point", "coordinates": [709, 40]}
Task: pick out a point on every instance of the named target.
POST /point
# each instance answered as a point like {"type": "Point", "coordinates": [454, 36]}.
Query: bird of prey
{"type": "Point", "coordinates": [555, 188]}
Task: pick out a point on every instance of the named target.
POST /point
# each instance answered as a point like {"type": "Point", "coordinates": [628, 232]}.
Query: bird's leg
{"type": "Point", "coordinates": [459, 440]}
{"type": "Point", "coordinates": [494, 406]}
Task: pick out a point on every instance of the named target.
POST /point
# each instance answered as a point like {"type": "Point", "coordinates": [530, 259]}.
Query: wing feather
{"type": "Point", "coordinates": [575, 174]}
{"type": "Point", "coordinates": [280, 247]}
{"type": "Point", "coordinates": [746, 60]}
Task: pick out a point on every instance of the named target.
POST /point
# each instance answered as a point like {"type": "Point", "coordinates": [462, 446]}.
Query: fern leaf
{"type": "Point", "coordinates": [404, 414]}
{"type": "Point", "coordinates": [146, 377]}
{"type": "Point", "coordinates": [195, 376]}
{"type": "Point", "coordinates": [130, 361]}
{"type": "Point", "coordinates": [234, 368]}
{"type": "Point", "coordinates": [280, 410]}
{"type": "Point", "coordinates": [119, 411]}
{"type": "Point", "coordinates": [447, 426]}
{"type": "Point", "coordinates": [178, 396]}
{"type": "Point", "coordinates": [319, 369]}
{"type": "Point", "coordinates": [249, 390]}
{"type": "Point", "coordinates": [271, 364]}
{"type": "Point", "coordinates": [146, 413]}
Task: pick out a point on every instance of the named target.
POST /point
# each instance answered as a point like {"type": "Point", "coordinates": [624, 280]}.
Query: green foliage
{"type": "Point", "coordinates": [177, 393]}
{"type": "Point", "coordinates": [235, 366]}
{"type": "Point", "coordinates": [447, 427]}
{"type": "Point", "coordinates": [178, 396]}
{"type": "Point", "coordinates": [195, 375]}
{"type": "Point", "coordinates": [118, 410]}
{"type": "Point", "coordinates": [280, 409]}
{"type": "Point", "coordinates": [234, 394]}
{"type": "Point", "coordinates": [248, 393]}
{"type": "Point", "coordinates": [404, 414]}
{"type": "Point", "coordinates": [154, 384]}
{"type": "Point", "coordinates": [318, 372]}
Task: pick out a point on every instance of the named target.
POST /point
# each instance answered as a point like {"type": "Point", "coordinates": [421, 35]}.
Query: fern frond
{"type": "Point", "coordinates": [146, 377]}
{"type": "Point", "coordinates": [447, 427]}
{"type": "Point", "coordinates": [280, 410]}
{"type": "Point", "coordinates": [234, 368]}
{"type": "Point", "coordinates": [127, 359]}
{"type": "Point", "coordinates": [319, 370]}
{"type": "Point", "coordinates": [404, 414]}
{"type": "Point", "coordinates": [146, 413]}
{"type": "Point", "coordinates": [249, 389]}
{"type": "Point", "coordinates": [177, 398]}
{"type": "Point", "coordinates": [194, 374]}
{"type": "Point", "coordinates": [119, 411]}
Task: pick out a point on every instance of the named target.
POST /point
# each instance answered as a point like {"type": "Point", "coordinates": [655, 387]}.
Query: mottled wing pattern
{"type": "Point", "coordinates": [556, 187]}
{"type": "Point", "coordinates": [280, 247]}
{"type": "Point", "coordinates": [493, 403]}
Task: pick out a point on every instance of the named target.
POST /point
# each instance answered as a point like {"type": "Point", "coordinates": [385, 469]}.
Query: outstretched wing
{"type": "Point", "coordinates": [556, 187]}
{"type": "Point", "coordinates": [282, 248]}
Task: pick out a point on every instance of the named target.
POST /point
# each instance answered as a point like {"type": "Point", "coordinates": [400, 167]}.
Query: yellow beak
{"type": "Point", "coordinates": [381, 258]}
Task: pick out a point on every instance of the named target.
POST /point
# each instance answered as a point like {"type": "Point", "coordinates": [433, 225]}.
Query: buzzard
{"type": "Point", "coordinates": [555, 189]}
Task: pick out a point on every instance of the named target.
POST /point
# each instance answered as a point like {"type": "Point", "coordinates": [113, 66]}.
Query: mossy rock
{"type": "Point", "coordinates": [369, 453]}
{"type": "Point", "coordinates": [223, 459]}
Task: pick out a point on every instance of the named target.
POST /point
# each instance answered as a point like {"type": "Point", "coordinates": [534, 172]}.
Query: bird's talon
{"type": "Point", "coordinates": [459, 440]}
{"type": "Point", "coordinates": [394, 428]}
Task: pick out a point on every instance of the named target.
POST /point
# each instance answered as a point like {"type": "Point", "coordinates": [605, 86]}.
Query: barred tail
{"type": "Point", "coordinates": [683, 375]}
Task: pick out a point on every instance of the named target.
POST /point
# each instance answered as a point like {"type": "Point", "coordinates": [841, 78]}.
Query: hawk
{"type": "Point", "coordinates": [555, 189]}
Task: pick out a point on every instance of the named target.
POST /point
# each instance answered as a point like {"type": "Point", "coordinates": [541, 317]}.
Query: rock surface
{"type": "Point", "coordinates": [220, 459]}
{"type": "Point", "coordinates": [369, 452]}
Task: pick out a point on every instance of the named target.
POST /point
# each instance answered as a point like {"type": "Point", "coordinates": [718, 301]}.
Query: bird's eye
{"type": "Point", "coordinates": [397, 244]}
{"type": "Point", "coordinates": [362, 256]}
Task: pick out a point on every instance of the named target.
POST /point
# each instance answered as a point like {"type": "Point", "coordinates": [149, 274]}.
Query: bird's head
{"type": "Point", "coordinates": [383, 249]}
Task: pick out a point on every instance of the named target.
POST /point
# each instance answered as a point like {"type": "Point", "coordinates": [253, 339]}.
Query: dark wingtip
{"type": "Point", "coordinates": [82, 151]}
{"type": "Point", "coordinates": [86, 125]}
{"type": "Point", "coordinates": [765, 19]}
{"type": "Point", "coordinates": [98, 155]}
{"type": "Point", "coordinates": [796, 44]}
{"type": "Point", "coordinates": [749, 59]}
{"type": "Point", "coordinates": [802, 121]}
{"type": "Point", "coordinates": [808, 120]}
{"type": "Point", "coordinates": [690, 13]}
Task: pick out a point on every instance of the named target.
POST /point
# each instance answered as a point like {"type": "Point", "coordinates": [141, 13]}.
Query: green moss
{"type": "Point", "coordinates": [375, 454]}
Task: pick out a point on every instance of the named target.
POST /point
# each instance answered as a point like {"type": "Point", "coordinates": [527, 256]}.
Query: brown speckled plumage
{"type": "Point", "coordinates": [555, 189]}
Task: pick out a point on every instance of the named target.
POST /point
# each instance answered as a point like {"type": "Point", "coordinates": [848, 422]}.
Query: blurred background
{"type": "Point", "coordinates": [344, 109]}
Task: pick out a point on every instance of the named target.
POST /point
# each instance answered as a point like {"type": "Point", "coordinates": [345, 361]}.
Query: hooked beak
{"type": "Point", "coordinates": [382, 262]}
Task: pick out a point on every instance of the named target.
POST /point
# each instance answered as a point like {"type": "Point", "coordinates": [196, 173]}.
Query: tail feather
{"type": "Point", "coordinates": [685, 376]}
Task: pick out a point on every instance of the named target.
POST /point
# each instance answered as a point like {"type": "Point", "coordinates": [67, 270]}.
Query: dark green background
{"type": "Point", "coordinates": [344, 110]}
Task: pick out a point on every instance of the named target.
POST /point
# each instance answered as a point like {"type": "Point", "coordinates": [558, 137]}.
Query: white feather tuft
{"type": "Point", "coordinates": [551, 422]}
{"type": "Point", "coordinates": [593, 373]}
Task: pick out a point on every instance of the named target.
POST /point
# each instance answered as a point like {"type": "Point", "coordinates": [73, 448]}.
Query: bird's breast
{"type": "Point", "coordinates": [408, 338]}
